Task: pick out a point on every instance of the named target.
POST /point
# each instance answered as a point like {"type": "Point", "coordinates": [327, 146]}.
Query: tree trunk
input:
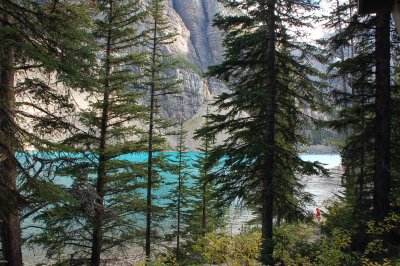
{"type": "Point", "coordinates": [204, 199]}
{"type": "Point", "coordinates": [342, 55]}
{"type": "Point", "coordinates": [269, 160]}
{"type": "Point", "coordinates": [150, 144]}
{"type": "Point", "coordinates": [11, 229]}
{"type": "Point", "coordinates": [204, 212]}
{"type": "Point", "coordinates": [97, 238]}
{"type": "Point", "coordinates": [149, 182]}
{"type": "Point", "coordinates": [178, 235]}
{"type": "Point", "coordinates": [382, 119]}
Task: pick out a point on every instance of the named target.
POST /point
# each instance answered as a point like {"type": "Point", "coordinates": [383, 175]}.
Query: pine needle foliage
{"type": "Point", "coordinates": [102, 216]}
{"type": "Point", "coordinates": [179, 196]}
{"type": "Point", "coordinates": [357, 115]}
{"type": "Point", "coordinates": [45, 52]}
{"type": "Point", "coordinates": [269, 71]}
{"type": "Point", "coordinates": [158, 81]}
{"type": "Point", "coordinates": [206, 214]}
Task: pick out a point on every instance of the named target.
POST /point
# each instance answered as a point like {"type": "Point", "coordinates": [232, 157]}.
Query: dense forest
{"type": "Point", "coordinates": [100, 182]}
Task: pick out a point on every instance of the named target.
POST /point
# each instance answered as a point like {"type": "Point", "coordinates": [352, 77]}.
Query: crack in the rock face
{"type": "Point", "coordinates": [176, 6]}
{"type": "Point", "coordinates": [206, 33]}
{"type": "Point", "coordinates": [195, 16]}
{"type": "Point", "coordinates": [198, 29]}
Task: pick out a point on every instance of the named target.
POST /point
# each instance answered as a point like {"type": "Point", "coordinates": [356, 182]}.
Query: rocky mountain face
{"type": "Point", "coordinates": [198, 45]}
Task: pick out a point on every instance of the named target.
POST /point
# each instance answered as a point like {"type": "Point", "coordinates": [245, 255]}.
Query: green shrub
{"type": "Point", "coordinates": [335, 250]}
{"type": "Point", "coordinates": [238, 250]}
{"type": "Point", "coordinates": [294, 243]}
{"type": "Point", "coordinates": [376, 253]}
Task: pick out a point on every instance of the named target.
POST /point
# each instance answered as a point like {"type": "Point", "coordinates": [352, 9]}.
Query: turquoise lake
{"type": "Point", "coordinates": [328, 160]}
{"type": "Point", "coordinates": [322, 187]}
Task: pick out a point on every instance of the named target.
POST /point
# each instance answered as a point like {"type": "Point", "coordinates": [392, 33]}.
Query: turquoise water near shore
{"type": "Point", "coordinates": [328, 161]}
{"type": "Point", "coordinates": [321, 187]}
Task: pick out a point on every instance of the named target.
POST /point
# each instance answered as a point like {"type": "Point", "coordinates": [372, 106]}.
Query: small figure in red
{"type": "Point", "coordinates": [318, 215]}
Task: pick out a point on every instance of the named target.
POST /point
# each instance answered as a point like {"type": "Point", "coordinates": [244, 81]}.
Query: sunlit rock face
{"type": "Point", "coordinates": [197, 46]}
{"type": "Point", "coordinates": [197, 17]}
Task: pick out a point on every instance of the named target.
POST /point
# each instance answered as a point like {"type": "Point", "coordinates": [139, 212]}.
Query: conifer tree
{"type": "Point", "coordinates": [179, 195]}
{"type": "Point", "coordinates": [158, 82]}
{"type": "Point", "coordinates": [382, 156]}
{"type": "Point", "coordinates": [105, 201]}
{"type": "Point", "coordinates": [205, 212]}
{"type": "Point", "coordinates": [43, 45]}
{"type": "Point", "coordinates": [268, 69]}
{"type": "Point", "coordinates": [395, 140]}
{"type": "Point", "coordinates": [368, 116]}
{"type": "Point", "coordinates": [355, 115]}
{"type": "Point", "coordinates": [204, 185]}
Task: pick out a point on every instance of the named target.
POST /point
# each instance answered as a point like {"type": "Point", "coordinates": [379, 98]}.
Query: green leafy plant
{"type": "Point", "coordinates": [221, 248]}
{"type": "Point", "coordinates": [294, 243]}
{"type": "Point", "coordinates": [335, 249]}
{"type": "Point", "coordinates": [376, 253]}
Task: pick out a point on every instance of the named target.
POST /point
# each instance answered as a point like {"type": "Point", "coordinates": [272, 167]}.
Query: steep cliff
{"type": "Point", "coordinates": [198, 45]}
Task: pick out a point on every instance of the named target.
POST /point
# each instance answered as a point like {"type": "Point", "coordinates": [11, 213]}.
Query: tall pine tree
{"type": "Point", "coordinates": [206, 211]}
{"type": "Point", "coordinates": [43, 45]}
{"type": "Point", "coordinates": [268, 69]}
{"type": "Point", "coordinates": [101, 215]}
{"type": "Point", "coordinates": [355, 112]}
{"type": "Point", "coordinates": [382, 116]}
{"type": "Point", "coordinates": [179, 195]}
{"type": "Point", "coordinates": [158, 82]}
{"type": "Point", "coordinates": [367, 114]}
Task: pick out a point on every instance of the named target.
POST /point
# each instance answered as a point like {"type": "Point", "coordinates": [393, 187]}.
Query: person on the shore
{"type": "Point", "coordinates": [318, 215]}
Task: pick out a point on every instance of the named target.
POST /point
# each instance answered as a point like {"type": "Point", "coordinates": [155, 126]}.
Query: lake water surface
{"type": "Point", "coordinates": [322, 187]}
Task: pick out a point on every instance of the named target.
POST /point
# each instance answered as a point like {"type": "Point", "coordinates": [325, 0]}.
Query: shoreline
{"type": "Point", "coordinates": [330, 150]}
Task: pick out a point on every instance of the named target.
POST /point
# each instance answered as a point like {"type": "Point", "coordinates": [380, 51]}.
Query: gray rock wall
{"type": "Point", "coordinates": [198, 45]}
